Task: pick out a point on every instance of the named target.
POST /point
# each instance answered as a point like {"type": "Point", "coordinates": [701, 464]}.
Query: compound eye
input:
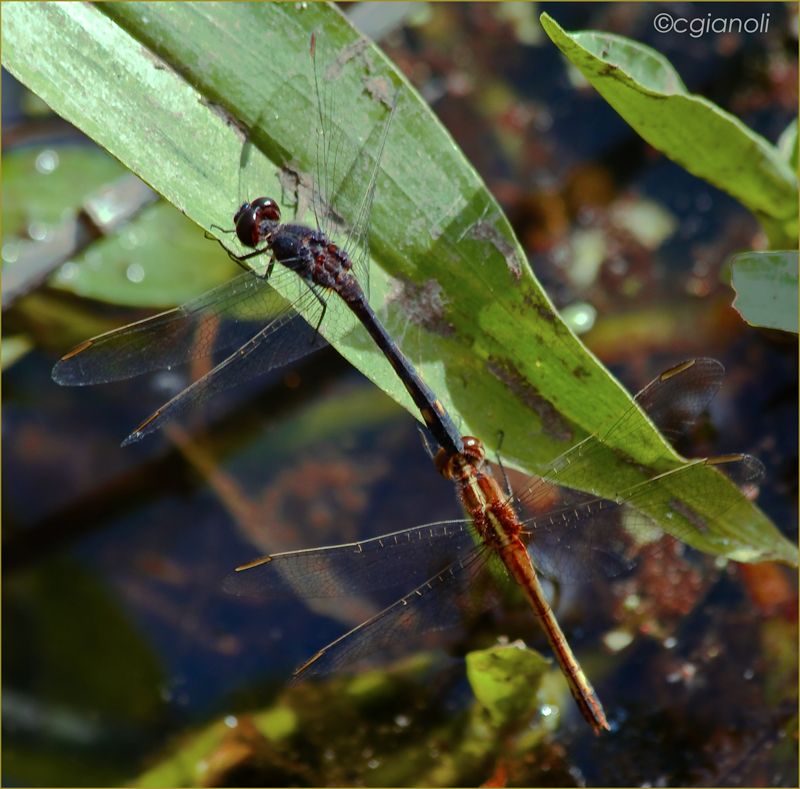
{"type": "Point", "coordinates": [238, 215]}
{"type": "Point", "coordinates": [267, 208]}
{"type": "Point", "coordinates": [246, 225]}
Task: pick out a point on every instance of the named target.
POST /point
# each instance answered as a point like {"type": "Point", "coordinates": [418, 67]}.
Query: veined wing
{"type": "Point", "coordinates": [345, 185]}
{"type": "Point", "coordinates": [672, 401]}
{"type": "Point", "coordinates": [574, 532]}
{"type": "Point", "coordinates": [398, 560]}
{"type": "Point", "coordinates": [222, 318]}
{"type": "Point", "coordinates": [440, 602]}
{"type": "Point", "coordinates": [584, 535]}
{"type": "Point", "coordinates": [285, 338]}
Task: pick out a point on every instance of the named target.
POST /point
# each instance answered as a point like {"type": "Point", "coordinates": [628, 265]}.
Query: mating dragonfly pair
{"type": "Point", "coordinates": [260, 329]}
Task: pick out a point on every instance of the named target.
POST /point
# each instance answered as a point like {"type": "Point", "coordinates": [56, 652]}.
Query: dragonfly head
{"type": "Point", "coordinates": [458, 466]}
{"type": "Point", "coordinates": [255, 222]}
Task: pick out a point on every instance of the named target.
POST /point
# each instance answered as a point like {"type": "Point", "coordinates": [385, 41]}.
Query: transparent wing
{"type": "Point", "coordinates": [401, 559]}
{"type": "Point", "coordinates": [225, 317]}
{"type": "Point", "coordinates": [328, 149]}
{"type": "Point", "coordinates": [346, 186]}
{"type": "Point", "coordinates": [672, 401]}
{"type": "Point", "coordinates": [286, 338]}
{"type": "Point", "coordinates": [676, 398]}
{"type": "Point", "coordinates": [576, 534]}
{"type": "Point", "coordinates": [583, 535]}
{"type": "Point", "coordinates": [441, 602]}
{"type": "Point", "coordinates": [357, 243]}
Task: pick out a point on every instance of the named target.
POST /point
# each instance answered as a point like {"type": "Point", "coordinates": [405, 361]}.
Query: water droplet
{"type": "Point", "coordinates": [11, 251]}
{"type": "Point", "coordinates": [135, 272]}
{"type": "Point", "coordinates": [580, 317]}
{"type": "Point", "coordinates": [47, 161]}
{"type": "Point", "coordinates": [68, 271]}
{"type": "Point", "coordinates": [670, 643]}
{"type": "Point", "coordinates": [231, 721]}
{"type": "Point", "coordinates": [402, 721]}
{"type": "Point", "coordinates": [37, 231]}
{"type": "Point", "coordinates": [128, 241]}
{"type": "Point", "coordinates": [546, 710]}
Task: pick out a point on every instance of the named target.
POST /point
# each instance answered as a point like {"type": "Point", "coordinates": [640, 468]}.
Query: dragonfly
{"type": "Point", "coordinates": [444, 562]}
{"type": "Point", "coordinates": [249, 320]}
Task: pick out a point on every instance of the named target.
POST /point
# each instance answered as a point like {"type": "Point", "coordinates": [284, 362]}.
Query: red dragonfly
{"type": "Point", "coordinates": [442, 561]}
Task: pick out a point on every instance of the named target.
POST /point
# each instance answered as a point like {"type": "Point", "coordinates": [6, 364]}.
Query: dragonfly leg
{"type": "Point", "coordinates": [501, 435]}
{"type": "Point", "coordinates": [428, 445]}
{"type": "Point", "coordinates": [321, 315]}
{"type": "Point", "coordinates": [239, 260]}
{"type": "Point", "coordinates": [226, 230]}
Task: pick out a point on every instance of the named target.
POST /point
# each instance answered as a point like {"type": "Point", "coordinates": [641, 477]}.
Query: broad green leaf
{"type": "Point", "coordinates": [641, 85]}
{"type": "Point", "coordinates": [766, 289]}
{"type": "Point", "coordinates": [504, 680]}
{"type": "Point", "coordinates": [167, 88]}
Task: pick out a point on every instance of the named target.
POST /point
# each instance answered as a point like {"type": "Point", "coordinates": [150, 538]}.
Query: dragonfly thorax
{"type": "Point", "coordinates": [256, 222]}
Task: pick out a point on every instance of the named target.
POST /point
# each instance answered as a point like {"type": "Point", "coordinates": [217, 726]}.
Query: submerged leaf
{"type": "Point", "coordinates": [504, 680]}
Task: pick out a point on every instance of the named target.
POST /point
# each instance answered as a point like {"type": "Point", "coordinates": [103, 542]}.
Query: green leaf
{"type": "Point", "coordinates": [766, 289]}
{"type": "Point", "coordinates": [209, 755]}
{"type": "Point", "coordinates": [641, 85]}
{"type": "Point", "coordinates": [504, 680]}
{"type": "Point", "coordinates": [166, 88]}
{"type": "Point", "coordinates": [157, 260]}
{"type": "Point", "coordinates": [337, 715]}
{"type": "Point", "coordinates": [788, 144]}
